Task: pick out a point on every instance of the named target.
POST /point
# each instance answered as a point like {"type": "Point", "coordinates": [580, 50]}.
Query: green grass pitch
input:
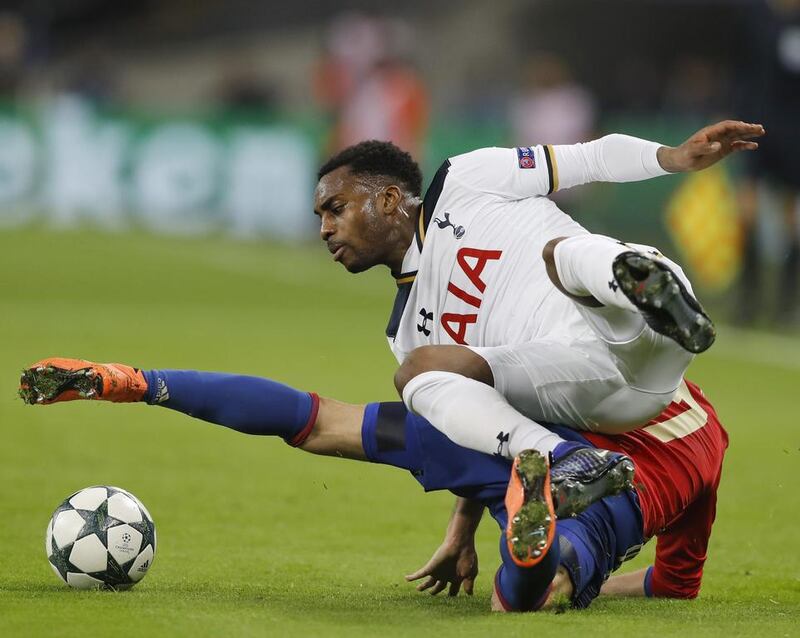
{"type": "Point", "coordinates": [259, 539]}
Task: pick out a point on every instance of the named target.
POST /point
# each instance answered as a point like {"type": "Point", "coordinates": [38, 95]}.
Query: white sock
{"type": "Point", "coordinates": [584, 265]}
{"type": "Point", "coordinates": [475, 415]}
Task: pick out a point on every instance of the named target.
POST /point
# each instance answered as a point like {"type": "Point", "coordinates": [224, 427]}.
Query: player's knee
{"type": "Point", "coordinates": [455, 359]}
{"type": "Point", "coordinates": [422, 359]}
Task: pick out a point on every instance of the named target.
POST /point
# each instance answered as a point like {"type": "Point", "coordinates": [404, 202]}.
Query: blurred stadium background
{"type": "Point", "coordinates": [157, 162]}
{"type": "Point", "coordinates": [197, 117]}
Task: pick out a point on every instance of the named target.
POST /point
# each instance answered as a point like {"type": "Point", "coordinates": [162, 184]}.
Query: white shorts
{"type": "Point", "coordinates": [615, 382]}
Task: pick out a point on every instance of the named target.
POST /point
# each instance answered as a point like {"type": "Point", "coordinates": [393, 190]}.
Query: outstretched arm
{"type": "Point", "coordinates": [621, 158]}
{"type": "Point", "coordinates": [680, 555]}
{"type": "Point", "coordinates": [630, 584]}
{"type": "Point", "coordinates": [541, 170]}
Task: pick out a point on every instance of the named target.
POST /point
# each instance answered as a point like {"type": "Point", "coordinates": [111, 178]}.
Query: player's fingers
{"type": "Point", "coordinates": [738, 131]}
{"type": "Point", "coordinates": [454, 587]}
{"type": "Point", "coordinates": [427, 584]}
{"type": "Point", "coordinates": [730, 126]}
{"type": "Point", "coordinates": [744, 146]}
{"type": "Point", "coordinates": [469, 586]}
{"type": "Point", "coordinates": [422, 571]}
{"type": "Point", "coordinates": [751, 130]}
{"type": "Point", "coordinates": [718, 129]}
{"type": "Point", "coordinates": [439, 586]}
{"type": "Point", "coordinates": [749, 135]}
{"type": "Point", "coordinates": [739, 135]}
{"type": "Point", "coordinates": [730, 130]}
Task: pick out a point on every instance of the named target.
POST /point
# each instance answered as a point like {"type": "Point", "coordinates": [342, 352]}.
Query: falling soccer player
{"type": "Point", "coordinates": [509, 313]}
{"type": "Point", "coordinates": [678, 459]}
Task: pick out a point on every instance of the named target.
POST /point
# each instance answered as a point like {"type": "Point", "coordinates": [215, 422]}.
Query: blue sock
{"type": "Point", "coordinates": [252, 405]}
{"type": "Point", "coordinates": [525, 588]}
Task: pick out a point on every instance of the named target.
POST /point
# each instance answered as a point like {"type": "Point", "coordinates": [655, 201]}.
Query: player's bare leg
{"type": "Point", "coordinates": [337, 431]}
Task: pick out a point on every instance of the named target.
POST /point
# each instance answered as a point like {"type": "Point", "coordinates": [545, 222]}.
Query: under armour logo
{"type": "Point", "coordinates": [458, 231]}
{"type": "Point", "coordinates": [502, 440]}
{"type": "Point", "coordinates": [423, 327]}
{"type": "Point", "coordinates": [613, 285]}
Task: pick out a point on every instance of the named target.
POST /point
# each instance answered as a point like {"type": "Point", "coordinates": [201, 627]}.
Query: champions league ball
{"type": "Point", "coordinates": [101, 537]}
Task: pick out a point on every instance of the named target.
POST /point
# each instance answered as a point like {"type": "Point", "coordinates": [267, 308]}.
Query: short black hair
{"type": "Point", "coordinates": [374, 157]}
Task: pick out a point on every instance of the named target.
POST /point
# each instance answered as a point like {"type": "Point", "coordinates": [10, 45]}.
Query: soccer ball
{"type": "Point", "coordinates": [101, 537]}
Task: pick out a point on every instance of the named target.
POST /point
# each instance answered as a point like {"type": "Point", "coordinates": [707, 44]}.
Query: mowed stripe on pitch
{"type": "Point", "coordinates": [754, 346]}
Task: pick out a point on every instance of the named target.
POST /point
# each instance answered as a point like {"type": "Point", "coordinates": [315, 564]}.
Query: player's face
{"type": "Point", "coordinates": [352, 219]}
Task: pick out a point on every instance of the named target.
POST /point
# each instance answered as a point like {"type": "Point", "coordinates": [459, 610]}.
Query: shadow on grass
{"type": "Point", "coordinates": [332, 600]}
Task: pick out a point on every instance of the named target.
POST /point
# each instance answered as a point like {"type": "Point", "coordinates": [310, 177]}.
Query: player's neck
{"type": "Point", "coordinates": [404, 235]}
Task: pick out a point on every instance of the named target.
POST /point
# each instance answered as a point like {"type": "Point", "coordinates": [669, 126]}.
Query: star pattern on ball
{"type": "Point", "coordinates": [147, 530]}
{"type": "Point", "coordinates": [83, 523]}
{"type": "Point", "coordinates": [114, 576]}
{"type": "Point", "coordinates": [97, 522]}
{"type": "Point", "coordinates": [60, 559]}
{"type": "Point", "coordinates": [65, 505]}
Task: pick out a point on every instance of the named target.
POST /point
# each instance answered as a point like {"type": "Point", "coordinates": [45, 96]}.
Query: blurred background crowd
{"type": "Point", "coordinates": [211, 116]}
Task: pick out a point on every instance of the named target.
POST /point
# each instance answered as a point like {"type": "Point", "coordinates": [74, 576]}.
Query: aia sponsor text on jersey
{"type": "Point", "coordinates": [471, 262]}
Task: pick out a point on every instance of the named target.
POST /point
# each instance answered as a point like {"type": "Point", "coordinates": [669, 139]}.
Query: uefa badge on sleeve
{"type": "Point", "coordinates": [526, 157]}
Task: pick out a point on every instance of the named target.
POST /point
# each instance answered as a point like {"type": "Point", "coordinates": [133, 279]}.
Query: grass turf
{"type": "Point", "coordinates": [259, 539]}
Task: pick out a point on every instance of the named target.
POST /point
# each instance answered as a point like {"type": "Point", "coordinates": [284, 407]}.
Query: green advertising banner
{"type": "Point", "coordinates": [67, 164]}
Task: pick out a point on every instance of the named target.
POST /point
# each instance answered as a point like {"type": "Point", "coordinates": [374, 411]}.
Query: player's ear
{"type": "Point", "coordinates": [390, 199]}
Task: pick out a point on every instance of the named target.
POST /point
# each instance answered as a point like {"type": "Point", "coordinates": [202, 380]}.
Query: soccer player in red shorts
{"type": "Point", "coordinates": [677, 457]}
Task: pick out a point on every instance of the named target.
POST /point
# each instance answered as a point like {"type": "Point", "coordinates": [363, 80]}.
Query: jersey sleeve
{"type": "Point", "coordinates": [530, 171]}
{"type": "Point", "coordinates": [681, 551]}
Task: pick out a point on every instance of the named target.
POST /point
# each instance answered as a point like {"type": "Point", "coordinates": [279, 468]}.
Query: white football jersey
{"type": "Point", "coordinates": [474, 275]}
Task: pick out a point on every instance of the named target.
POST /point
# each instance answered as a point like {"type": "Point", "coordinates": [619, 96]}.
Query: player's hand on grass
{"type": "Point", "coordinates": [709, 145]}
{"type": "Point", "coordinates": [452, 564]}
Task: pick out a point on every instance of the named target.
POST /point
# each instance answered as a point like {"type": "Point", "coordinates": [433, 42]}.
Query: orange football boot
{"type": "Point", "coordinates": [55, 379]}
{"type": "Point", "coordinates": [531, 523]}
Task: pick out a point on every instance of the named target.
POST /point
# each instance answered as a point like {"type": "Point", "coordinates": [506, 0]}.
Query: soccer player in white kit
{"type": "Point", "coordinates": [508, 311]}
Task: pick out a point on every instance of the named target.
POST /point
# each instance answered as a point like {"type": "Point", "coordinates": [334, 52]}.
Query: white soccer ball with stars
{"type": "Point", "coordinates": [101, 537]}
